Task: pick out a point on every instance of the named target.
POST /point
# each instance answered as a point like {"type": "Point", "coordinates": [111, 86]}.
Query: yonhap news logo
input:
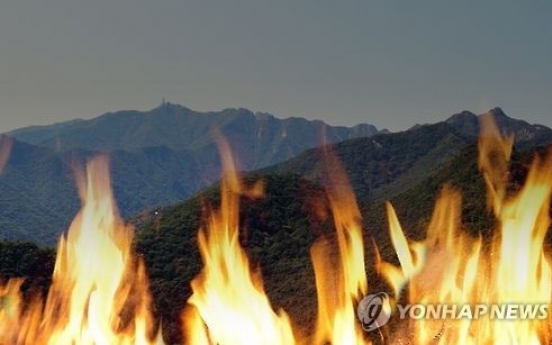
{"type": "Point", "coordinates": [374, 311]}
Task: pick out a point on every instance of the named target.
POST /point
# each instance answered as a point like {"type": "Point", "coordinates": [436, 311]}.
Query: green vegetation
{"type": "Point", "coordinates": [527, 135]}
{"type": "Point", "coordinates": [276, 231]}
{"type": "Point", "coordinates": [158, 158]}
{"type": "Point", "coordinates": [382, 166]}
{"type": "Point", "coordinates": [259, 139]}
{"type": "Point", "coordinates": [166, 155]}
{"type": "Point", "coordinates": [29, 261]}
{"type": "Point", "coordinates": [414, 206]}
{"type": "Point", "coordinates": [38, 197]}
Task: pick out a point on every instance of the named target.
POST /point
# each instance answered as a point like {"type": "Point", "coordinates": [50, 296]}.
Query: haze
{"type": "Point", "coordinates": [389, 63]}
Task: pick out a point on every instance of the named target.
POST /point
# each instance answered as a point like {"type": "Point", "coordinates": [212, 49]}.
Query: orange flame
{"type": "Point", "coordinates": [462, 270]}
{"type": "Point", "coordinates": [229, 302]}
{"type": "Point", "coordinates": [340, 284]}
{"type": "Point", "coordinates": [99, 294]}
{"type": "Point", "coordinates": [495, 151]}
{"type": "Point", "coordinates": [99, 291]}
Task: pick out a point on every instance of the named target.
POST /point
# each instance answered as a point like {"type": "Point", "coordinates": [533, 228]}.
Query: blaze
{"type": "Point", "coordinates": [340, 276]}
{"type": "Point", "coordinates": [99, 290]}
{"type": "Point", "coordinates": [99, 293]}
{"type": "Point", "coordinates": [510, 267]}
{"type": "Point", "coordinates": [228, 304]}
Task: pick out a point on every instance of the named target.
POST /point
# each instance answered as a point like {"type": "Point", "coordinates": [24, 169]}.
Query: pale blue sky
{"type": "Point", "coordinates": [389, 63]}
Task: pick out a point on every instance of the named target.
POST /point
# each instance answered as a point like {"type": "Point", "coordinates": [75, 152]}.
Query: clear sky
{"type": "Point", "coordinates": [389, 63]}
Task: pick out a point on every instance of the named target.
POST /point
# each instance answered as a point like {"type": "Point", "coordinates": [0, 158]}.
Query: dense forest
{"type": "Point", "coordinates": [277, 231]}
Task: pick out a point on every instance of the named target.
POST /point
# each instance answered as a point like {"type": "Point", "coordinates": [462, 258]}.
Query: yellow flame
{"type": "Point", "coordinates": [99, 294]}
{"type": "Point", "coordinates": [227, 296]}
{"type": "Point", "coordinates": [523, 271]}
{"type": "Point", "coordinates": [410, 257]}
{"type": "Point", "coordinates": [510, 267]}
{"type": "Point", "coordinates": [99, 291]}
{"type": "Point", "coordinates": [495, 151]}
{"type": "Point", "coordinates": [340, 277]}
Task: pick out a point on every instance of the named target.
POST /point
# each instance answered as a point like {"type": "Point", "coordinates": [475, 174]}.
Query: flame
{"type": "Point", "coordinates": [410, 258]}
{"type": "Point", "coordinates": [6, 144]}
{"type": "Point", "coordinates": [340, 277]}
{"type": "Point", "coordinates": [99, 291]}
{"type": "Point", "coordinates": [459, 269]}
{"type": "Point", "coordinates": [495, 151]}
{"type": "Point", "coordinates": [229, 305]}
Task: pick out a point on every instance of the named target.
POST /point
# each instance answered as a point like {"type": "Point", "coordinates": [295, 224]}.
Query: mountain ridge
{"type": "Point", "coordinates": [178, 127]}
{"type": "Point", "coordinates": [38, 197]}
{"type": "Point", "coordinates": [526, 134]}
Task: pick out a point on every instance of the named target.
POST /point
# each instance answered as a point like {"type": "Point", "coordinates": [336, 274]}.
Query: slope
{"type": "Point", "coordinates": [258, 139]}
{"type": "Point", "coordinates": [386, 164]}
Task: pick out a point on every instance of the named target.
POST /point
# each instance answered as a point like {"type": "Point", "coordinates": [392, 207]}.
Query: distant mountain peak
{"type": "Point", "coordinates": [498, 112]}
{"type": "Point", "coordinates": [263, 115]}
{"type": "Point", "coordinates": [467, 123]}
{"type": "Point", "coordinates": [462, 116]}
{"type": "Point", "coordinates": [168, 107]}
{"type": "Point", "coordinates": [259, 138]}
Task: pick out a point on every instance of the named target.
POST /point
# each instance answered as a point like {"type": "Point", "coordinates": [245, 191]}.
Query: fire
{"type": "Point", "coordinates": [458, 269]}
{"type": "Point", "coordinates": [228, 304]}
{"type": "Point", "coordinates": [5, 149]}
{"type": "Point", "coordinates": [99, 291]}
{"type": "Point", "coordinates": [340, 277]}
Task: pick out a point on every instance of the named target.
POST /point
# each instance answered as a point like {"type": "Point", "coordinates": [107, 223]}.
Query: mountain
{"type": "Point", "coordinates": [38, 195]}
{"type": "Point", "coordinates": [157, 157]}
{"type": "Point", "coordinates": [414, 206]}
{"type": "Point", "coordinates": [526, 134]}
{"type": "Point", "coordinates": [382, 166]}
{"type": "Point", "coordinates": [259, 139]}
{"type": "Point", "coordinates": [151, 165]}
{"type": "Point", "coordinates": [278, 230]}
{"type": "Point", "coordinates": [385, 165]}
